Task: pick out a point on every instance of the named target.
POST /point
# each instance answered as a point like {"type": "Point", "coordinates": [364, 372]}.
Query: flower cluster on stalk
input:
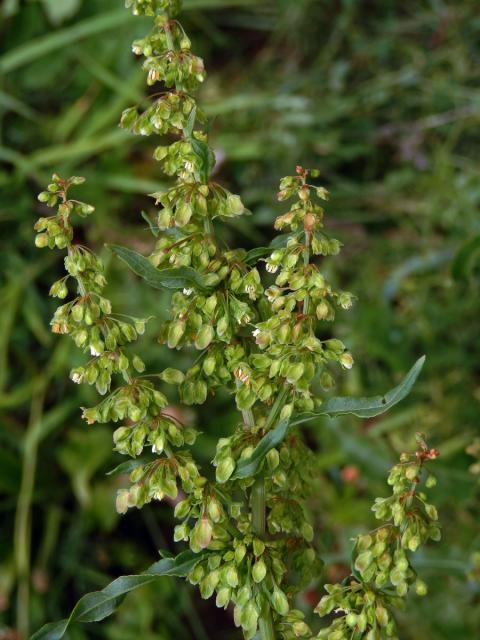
{"type": "Point", "coordinates": [260, 342]}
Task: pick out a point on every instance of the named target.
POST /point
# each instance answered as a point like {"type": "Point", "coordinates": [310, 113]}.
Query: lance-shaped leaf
{"type": "Point", "coordinates": [98, 605]}
{"type": "Point", "coordinates": [180, 278]}
{"type": "Point", "coordinates": [366, 407]}
{"type": "Point", "coordinates": [128, 466]}
{"type": "Point", "coordinates": [250, 466]}
{"type": "Point", "coordinates": [205, 158]}
{"type": "Point", "coordinates": [361, 407]}
{"type": "Point", "coordinates": [260, 252]}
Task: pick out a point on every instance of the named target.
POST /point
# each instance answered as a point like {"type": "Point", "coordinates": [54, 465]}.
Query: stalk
{"type": "Point", "coordinates": [258, 507]}
{"type": "Point", "coordinates": [306, 261]}
{"type": "Point", "coordinates": [265, 621]}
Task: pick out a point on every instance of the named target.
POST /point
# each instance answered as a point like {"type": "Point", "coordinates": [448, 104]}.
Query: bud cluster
{"type": "Point", "coordinates": [382, 573]}
{"type": "Point", "coordinates": [56, 231]}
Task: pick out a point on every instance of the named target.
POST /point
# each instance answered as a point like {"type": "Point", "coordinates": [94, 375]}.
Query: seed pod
{"type": "Point", "coordinates": [180, 532]}
{"type": "Point", "coordinates": [295, 372]}
{"type": "Point", "coordinates": [138, 364]}
{"type": "Point", "coordinates": [223, 597]}
{"type": "Point", "coordinates": [231, 576]}
{"type": "Point", "coordinates": [381, 615]}
{"type": "Point", "coordinates": [172, 376]}
{"type": "Point", "coordinates": [346, 360]}
{"type": "Point", "coordinates": [431, 511]}
{"type": "Point", "coordinates": [77, 312]}
{"type": "Point", "coordinates": [421, 588]}
{"type": "Point", "coordinates": [202, 533]}
{"type": "Point", "coordinates": [325, 606]}
{"type": "Point", "coordinates": [362, 621]}
{"type": "Point", "coordinates": [273, 459]}
{"type": "Point", "coordinates": [279, 601]}
{"type": "Point", "coordinates": [240, 553]}
{"type": "Point", "coordinates": [209, 365]}
{"type": "Point", "coordinates": [182, 508]}
{"type": "Point", "coordinates": [414, 543]}
{"type": "Point", "coordinates": [250, 616]}
{"type": "Point", "coordinates": [204, 337]}
{"type": "Point", "coordinates": [175, 332]}
{"type": "Point", "coordinates": [121, 503]}
{"type": "Point", "coordinates": [197, 574]}
{"type": "Point", "coordinates": [363, 561]}
{"type": "Point", "coordinates": [214, 509]}
{"type": "Point", "coordinates": [259, 571]}
{"type": "Point", "coordinates": [258, 547]}
{"type": "Point", "coordinates": [351, 620]}
{"type": "Point", "coordinates": [225, 469]}
{"type": "Point", "coordinates": [208, 584]}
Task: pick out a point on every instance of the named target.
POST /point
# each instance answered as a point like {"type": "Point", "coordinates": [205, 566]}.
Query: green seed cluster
{"type": "Point", "coordinates": [88, 317]}
{"type": "Point", "coordinates": [289, 349]}
{"type": "Point", "coordinates": [56, 231]}
{"type": "Point", "coordinates": [189, 204]}
{"type": "Point", "coordinates": [169, 113]}
{"type": "Point", "coordinates": [249, 573]}
{"type": "Point", "coordinates": [382, 573]}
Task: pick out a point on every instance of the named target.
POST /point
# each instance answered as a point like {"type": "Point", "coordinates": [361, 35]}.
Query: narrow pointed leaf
{"type": "Point", "coordinates": [98, 605]}
{"type": "Point", "coordinates": [249, 467]}
{"type": "Point", "coordinates": [366, 407]}
{"type": "Point", "coordinates": [361, 407]}
{"type": "Point", "coordinates": [127, 467]}
{"type": "Point", "coordinates": [180, 278]}
{"type": "Point", "coordinates": [205, 157]}
{"type": "Point", "coordinates": [152, 227]}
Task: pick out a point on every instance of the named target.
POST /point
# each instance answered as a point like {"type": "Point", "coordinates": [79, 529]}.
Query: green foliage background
{"type": "Point", "coordinates": [384, 98]}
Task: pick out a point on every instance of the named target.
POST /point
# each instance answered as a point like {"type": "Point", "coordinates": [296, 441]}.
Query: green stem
{"type": "Point", "coordinates": [276, 408]}
{"type": "Point", "coordinates": [168, 35]}
{"type": "Point", "coordinates": [306, 261]}
{"type": "Point", "coordinates": [258, 507]}
{"type": "Point", "coordinates": [208, 226]}
{"type": "Point", "coordinates": [265, 621]}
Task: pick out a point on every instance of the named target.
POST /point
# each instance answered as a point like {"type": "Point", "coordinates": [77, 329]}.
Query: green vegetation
{"type": "Point", "coordinates": [383, 100]}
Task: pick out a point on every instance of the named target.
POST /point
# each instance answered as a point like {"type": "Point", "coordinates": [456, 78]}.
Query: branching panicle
{"type": "Point", "coordinates": [248, 530]}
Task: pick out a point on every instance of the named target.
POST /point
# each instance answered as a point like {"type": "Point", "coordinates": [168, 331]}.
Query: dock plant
{"type": "Point", "coordinates": [253, 323]}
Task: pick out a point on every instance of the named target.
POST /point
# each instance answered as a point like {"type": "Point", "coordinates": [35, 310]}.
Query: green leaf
{"type": "Point", "coordinates": [463, 263]}
{"type": "Point", "coordinates": [366, 407]}
{"type": "Point", "coordinates": [255, 254]}
{"type": "Point", "coordinates": [188, 130]}
{"type": "Point", "coordinates": [152, 227]}
{"type": "Point", "coordinates": [128, 466]}
{"type": "Point", "coordinates": [180, 278]}
{"type": "Point", "coordinates": [259, 252]}
{"type": "Point", "coordinates": [205, 157]}
{"type": "Point", "coordinates": [361, 407]}
{"type": "Point", "coordinates": [98, 605]}
{"type": "Point", "coordinates": [249, 467]}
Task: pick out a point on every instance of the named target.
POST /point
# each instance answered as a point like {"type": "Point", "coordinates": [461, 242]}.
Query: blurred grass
{"type": "Point", "coordinates": [384, 98]}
